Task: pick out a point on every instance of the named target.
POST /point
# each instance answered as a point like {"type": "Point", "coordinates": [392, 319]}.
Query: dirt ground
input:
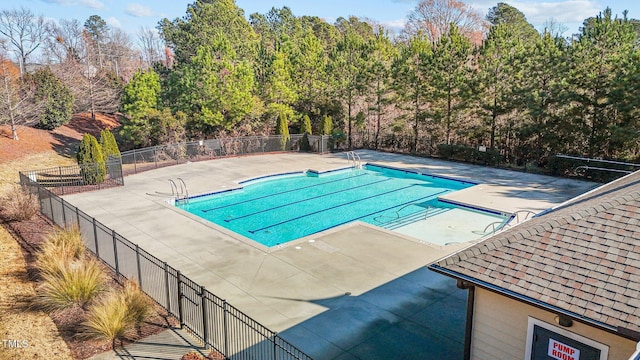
{"type": "Point", "coordinates": [37, 335]}
{"type": "Point", "coordinates": [31, 334]}
{"type": "Point", "coordinates": [63, 140]}
{"type": "Point", "coordinates": [41, 149]}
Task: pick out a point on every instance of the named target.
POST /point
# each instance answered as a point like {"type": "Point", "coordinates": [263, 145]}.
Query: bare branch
{"type": "Point", "coordinates": [24, 31]}
{"type": "Point", "coordinates": [433, 18]}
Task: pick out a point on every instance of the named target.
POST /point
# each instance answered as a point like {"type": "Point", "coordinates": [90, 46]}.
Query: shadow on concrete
{"type": "Point", "coordinates": [420, 315]}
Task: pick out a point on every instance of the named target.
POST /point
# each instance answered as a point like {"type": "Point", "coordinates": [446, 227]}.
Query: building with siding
{"type": "Point", "coordinates": [563, 285]}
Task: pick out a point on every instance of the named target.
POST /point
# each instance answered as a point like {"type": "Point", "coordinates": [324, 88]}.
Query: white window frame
{"type": "Point", "coordinates": [604, 349]}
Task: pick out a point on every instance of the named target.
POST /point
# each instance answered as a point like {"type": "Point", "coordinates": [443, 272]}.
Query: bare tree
{"type": "Point", "coordinates": [121, 57]}
{"type": "Point", "coordinates": [17, 103]}
{"type": "Point", "coordinates": [64, 41]}
{"type": "Point", "coordinates": [97, 90]}
{"type": "Point", "coordinates": [24, 31]}
{"type": "Point", "coordinates": [433, 18]}
{"type": "Point", "coordinates": [554, 27]}
{"type": "Point", "coordinates": [151, 44]}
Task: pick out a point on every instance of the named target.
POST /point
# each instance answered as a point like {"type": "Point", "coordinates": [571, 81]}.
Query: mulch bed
{"type": "Point", "coordinates": [30, 234]}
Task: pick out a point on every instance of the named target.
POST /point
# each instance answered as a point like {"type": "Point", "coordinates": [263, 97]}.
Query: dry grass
{"type": "Point", "coordinates": [61, 248]}
{"type": "Point", "coordinates": [139, 306]}
{"type": "Point", "coordinates": [44, 341]}
{"type": "Point", "coordinates": [108, 319]}
{"type": "Point", "coordinates": [68, 239]}
{"type": "Point", "coordinates": [118, 314]}
{"type": "Point", "coordinates": [9, 170]}
{"type": "Point", "coordinates": [75, 284]}
{"type": "Point", "coordinates": [20, 204]}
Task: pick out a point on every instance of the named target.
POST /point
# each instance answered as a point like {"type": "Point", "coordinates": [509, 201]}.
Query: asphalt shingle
{"type": "Point", "coordinates": [583, 257]}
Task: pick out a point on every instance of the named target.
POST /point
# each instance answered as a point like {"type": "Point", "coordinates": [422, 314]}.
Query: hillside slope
{"type": "Point", "coordinates": [39, 149]}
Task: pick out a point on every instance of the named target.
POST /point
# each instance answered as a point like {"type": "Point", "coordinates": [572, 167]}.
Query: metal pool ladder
{"type": "Point", "coordinates": [354, 159]}
{"type": "Point", "coordinates": [179, 194]}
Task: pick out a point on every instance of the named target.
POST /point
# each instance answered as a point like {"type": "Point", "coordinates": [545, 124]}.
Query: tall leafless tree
{"type": "Point", "coordinates": [99, 88]}
{"type": "Point", "coordinates": [23, 31]}
{"type": "Point", "coordinates": [64, 41]}
{"type": "Point", "coordinates": [18, 106]}
{"type": "Point", "coordinates": [433, 18]}
{"type": "Point", "coordinates": [122, 59]}
{"type": "Point", "coordinates": [152, 46]}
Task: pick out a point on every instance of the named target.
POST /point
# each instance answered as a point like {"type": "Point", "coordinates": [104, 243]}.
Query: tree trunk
{"type": "Point", "coordinates": [449, 115]}
{"type": "Point", "coordinates": [493, 123]}
{"type": "Point", "coordinates": [14, 128]}
{"type": "Point", "coordinates": [378, 101]}
{"type": "Point", "coordinates": [415, 125]}
{"type": "Point", "coordinates": [349, 115]}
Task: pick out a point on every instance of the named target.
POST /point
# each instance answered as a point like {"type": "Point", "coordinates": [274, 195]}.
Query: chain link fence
{"type": "Point", "coordinates": [138, 160]}
{"type": "Point", "coordinates": [64, 180]}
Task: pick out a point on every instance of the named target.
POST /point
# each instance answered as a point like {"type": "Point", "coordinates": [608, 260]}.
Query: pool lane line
{"type": "Point", "coordinates": [337, 206]}
{"type": "Point", "coordinates": [306, 199]}
{"type": "Point", "coordinates": [389, 208]}
{"type": "Point", "coordinates": [279, 193]}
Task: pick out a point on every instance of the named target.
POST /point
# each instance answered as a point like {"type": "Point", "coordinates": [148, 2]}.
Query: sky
{"type": "Point", "coordinates": [131, 15]}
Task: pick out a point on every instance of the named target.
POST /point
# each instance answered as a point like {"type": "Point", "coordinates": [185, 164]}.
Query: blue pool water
{"type": "Point", "coordinates": [277, 209]}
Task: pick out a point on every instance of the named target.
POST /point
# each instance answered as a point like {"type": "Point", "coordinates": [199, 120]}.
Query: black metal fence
{"type": "Point", "coordinates": [138, 160]}
{"type": "Point", "coordinates": [63, 180]}
{"type": "Point", "coordinates": [214, 321]}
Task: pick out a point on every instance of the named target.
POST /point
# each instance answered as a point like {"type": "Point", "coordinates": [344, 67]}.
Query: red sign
{"type": "Point", "coordinates": [560, 351]}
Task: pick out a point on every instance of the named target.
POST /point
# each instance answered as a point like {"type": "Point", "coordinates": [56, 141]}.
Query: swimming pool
{"type": "Point", "coordinates": [277, 209]}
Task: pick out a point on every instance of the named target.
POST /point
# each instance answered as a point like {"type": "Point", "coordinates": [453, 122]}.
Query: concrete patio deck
{"type": "Point", "coordinates": [354, 292]}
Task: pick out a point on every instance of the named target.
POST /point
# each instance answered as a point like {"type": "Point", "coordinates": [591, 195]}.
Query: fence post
{"type": "Point", "coordinates": [275, 346]}
{"type": "Point", "coordinates": [155, 156]}
{"type": "Point", "coordinates": [95, 237]}
{"type": "Point", "coordinates": [138, 265]}
{"type": "Point", "coordinates": [166, 285]}
{"type": "Point", "coordinates": [203, 302]}
{"type": "Point", "coordinates": [40, 202]}
{"type": "Point", "coordinates": [225, 327]}
{"type": "Point", "coordinates": [64, 213]}
{"type": "Point", "coordinates": [115, 252]}
{"type": "Point", "coordinates": [180, 317]}
{"type": "Point", "coordinates": [51, 206]}
{"type": "Point", "coordinates": [135, 164]}
{"type": "Point", "coordinates": [77, 217]}
{"type": "Point", "coordinates": [61, 181]}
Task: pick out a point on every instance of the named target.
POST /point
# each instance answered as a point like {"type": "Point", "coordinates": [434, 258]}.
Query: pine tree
{"type": "Point", "coordinates": [327, 125]}
{"type": "Point", "coordinates": [214, 89]}
{"type": "Point", "coordinates": [451, 78]}
{"type": "Point", "coordinates": [605, 44]}
{"type": "Point", "coordinates": [56, 99]}
{"type": "Point", "coordinates": [91, 160]}
{"type": "Point", "coordinates": [412, 78]}
{"type": "Point", "coordinates": [108, 145]}
{"type": "Point", "coordinates": [378, 74]}
{"type": "Point", "coordinates": [282, 128]}
{"type": "Point", "coordinates": [306, 125]}
{"type": "Point", "coordinates": [140, 97]}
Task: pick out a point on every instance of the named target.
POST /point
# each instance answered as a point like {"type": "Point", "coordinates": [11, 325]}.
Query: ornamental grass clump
{"type": "Point", "coordinates": [61, 248]}
{"type": "Point", "coordinates": [68, 238]}
{"type": "Point", "coordinates": [73, 284]}
{"type": "Point", "coordinates": [108, 319]}
{"type": "Point", "coordinates": [20, 204]}
{"type": "Point", "coordinates": [139, 306]}
{"type": "Point", "coordinates": [118, 314]}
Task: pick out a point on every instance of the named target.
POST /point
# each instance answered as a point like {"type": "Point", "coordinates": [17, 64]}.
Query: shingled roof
{"type": "Point", "coordinates": [582, 258]}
